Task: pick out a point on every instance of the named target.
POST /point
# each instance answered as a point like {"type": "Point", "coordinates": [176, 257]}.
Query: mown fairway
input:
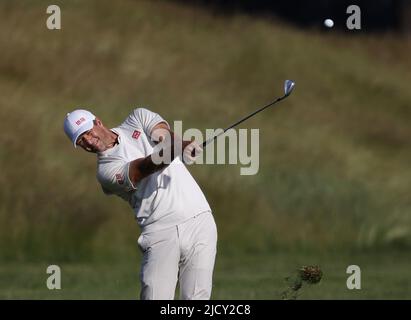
{"type": "Point", "coordinates": [261, 276]}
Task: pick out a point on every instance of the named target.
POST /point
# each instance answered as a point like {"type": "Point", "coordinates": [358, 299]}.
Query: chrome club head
{"type": "Point", "coordinates": [288, 87]}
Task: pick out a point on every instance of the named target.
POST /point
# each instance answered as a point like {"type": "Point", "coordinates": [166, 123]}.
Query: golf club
{"type": "Point", "coordinates": [288, 88]}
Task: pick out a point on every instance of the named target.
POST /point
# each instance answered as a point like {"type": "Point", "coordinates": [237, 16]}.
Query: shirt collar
{"type": "Point", "coordinates": [107, 152]}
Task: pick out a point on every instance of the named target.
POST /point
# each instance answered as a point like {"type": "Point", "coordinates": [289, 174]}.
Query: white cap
{"type": "Point", "coordinates": [78, 122]}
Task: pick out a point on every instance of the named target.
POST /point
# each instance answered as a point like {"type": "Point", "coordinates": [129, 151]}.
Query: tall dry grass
{"type": "Point", "coordinates": [334, 162]}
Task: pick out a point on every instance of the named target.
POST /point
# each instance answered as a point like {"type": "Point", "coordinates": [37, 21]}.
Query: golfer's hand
{"type": "Point", "coordinates": [191, 151]}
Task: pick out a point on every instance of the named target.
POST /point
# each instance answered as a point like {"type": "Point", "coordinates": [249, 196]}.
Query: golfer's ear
{"type": "Point", "coordinates": [98, 122]}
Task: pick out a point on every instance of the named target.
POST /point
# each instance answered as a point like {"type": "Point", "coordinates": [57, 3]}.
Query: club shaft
{"type": "Point", "coordinates": [205, 143]}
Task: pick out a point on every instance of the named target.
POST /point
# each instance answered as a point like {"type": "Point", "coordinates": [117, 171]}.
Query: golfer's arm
{"type": "Point", "coordinates": [143, 167]}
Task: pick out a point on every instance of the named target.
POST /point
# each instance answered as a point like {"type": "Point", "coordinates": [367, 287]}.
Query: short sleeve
{"type": "Point", "coordinates": [114, 178]}
{"type": "Point", "coordinates": [145, 119]}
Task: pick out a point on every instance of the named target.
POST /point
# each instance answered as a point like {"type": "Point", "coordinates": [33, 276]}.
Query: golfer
{"type": "Point", "coordinates": [178, 233]}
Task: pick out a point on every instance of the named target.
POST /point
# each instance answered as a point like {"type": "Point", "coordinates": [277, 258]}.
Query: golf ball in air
{"type": "Point", "coordinates": [328, 23]}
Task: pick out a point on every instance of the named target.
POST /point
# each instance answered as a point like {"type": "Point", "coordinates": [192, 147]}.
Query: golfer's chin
{"type": "Point", "coordinates": [99, 148]}
{"type": "Point", "coordinates": [95, 149]}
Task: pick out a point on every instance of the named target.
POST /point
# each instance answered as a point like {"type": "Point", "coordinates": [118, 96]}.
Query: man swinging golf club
{"type": "Point", "coordinates": [179, 235]}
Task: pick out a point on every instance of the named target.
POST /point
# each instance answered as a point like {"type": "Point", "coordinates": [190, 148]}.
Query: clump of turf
{"type": "Point", "coordinates": [306, 274]}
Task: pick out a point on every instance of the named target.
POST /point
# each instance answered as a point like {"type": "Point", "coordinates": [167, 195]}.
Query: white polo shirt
{"type": "Point", "coordinates": [161, 200]}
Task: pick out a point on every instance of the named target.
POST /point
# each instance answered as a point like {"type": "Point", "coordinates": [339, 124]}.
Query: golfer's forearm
{"type": "Point", "coordinates": [143, 167]}
{"type": "Point", "coordinates": [173, 145]}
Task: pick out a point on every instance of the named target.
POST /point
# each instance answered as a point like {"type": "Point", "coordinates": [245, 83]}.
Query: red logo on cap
{"type": "Point", "coordinates": [136, 134]}
{"type": "Point", "coordinates": [119, 178]}
{"type": "Point", "coordinates": [79, 121]}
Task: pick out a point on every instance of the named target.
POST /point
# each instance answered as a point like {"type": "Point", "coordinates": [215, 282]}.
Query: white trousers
{"type": "Point", "coordinates": [183, 253]}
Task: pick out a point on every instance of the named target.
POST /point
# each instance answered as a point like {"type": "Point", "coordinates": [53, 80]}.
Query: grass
{"type": "Point", "coordinates": [255, 276]}
{"type": "Point", "coordinates": [334, 173]}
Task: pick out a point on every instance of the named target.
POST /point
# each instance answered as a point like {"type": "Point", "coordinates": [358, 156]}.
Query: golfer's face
{"type": "Point", "coordinates": [91, 140]}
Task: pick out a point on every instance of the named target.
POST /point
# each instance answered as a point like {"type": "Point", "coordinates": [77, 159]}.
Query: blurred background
{"type": "Point", "coordinates": [334, 178]}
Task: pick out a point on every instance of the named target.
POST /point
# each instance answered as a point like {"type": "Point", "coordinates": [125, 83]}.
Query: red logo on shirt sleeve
{"type": "Point", "coordinates": [136, 134]}
{"type": "Point", "coordinates": [119, 178]}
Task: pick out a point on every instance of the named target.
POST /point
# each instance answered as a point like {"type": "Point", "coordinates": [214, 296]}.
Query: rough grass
{"type": "Point", "coordinates": [334, 158]}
